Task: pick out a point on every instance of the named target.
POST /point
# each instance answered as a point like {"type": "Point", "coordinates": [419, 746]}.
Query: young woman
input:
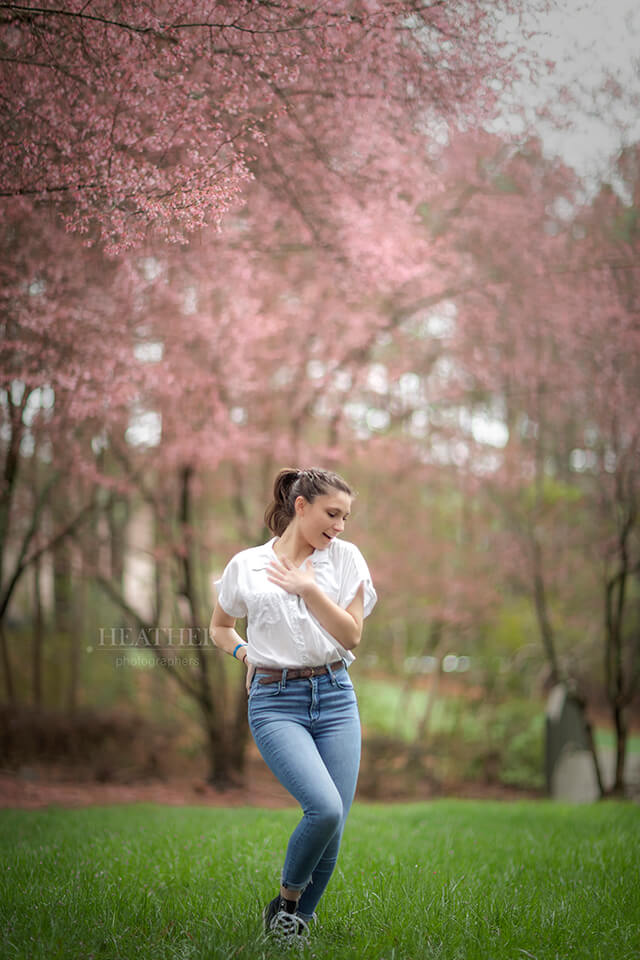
{"type": "Point", "coordinates": [305, 594]}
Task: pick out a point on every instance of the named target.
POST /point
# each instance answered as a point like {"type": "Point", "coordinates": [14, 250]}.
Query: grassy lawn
{"type": "Point", "coordinates": [449, 879]}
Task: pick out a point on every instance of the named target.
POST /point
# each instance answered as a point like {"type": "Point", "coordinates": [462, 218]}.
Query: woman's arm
{"type": "Point", "coordinates": [224, 635]}
{"type": "Point", "coordinates": [345, 626]}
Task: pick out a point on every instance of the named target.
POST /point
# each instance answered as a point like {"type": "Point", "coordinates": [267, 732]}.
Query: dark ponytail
{"type": "Point", "coordinates": [279, 512]}
{"type": "Point", "coordinates": [290, 484]}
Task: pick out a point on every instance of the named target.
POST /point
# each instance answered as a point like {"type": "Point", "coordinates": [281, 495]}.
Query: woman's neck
{"type": "Point", "coordinates": [293, 546]}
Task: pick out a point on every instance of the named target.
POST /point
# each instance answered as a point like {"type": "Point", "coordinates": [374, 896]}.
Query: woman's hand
{"type": "Point", "coordinates": [250, 672]}
{"type": "Point", "coordinates": [291, 578]}
{"type": "Point", "coordinates": [345, 626]}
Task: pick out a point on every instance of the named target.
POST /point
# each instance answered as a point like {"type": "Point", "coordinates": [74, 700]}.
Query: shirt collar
{"type": "Point", "coordinates": [262, 555]}
{"type": "Point", "coordinates": [265, 554]}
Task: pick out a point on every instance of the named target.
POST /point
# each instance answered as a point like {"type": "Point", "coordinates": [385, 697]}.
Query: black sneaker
{"type": "Point", "coordinates": [286, 927]}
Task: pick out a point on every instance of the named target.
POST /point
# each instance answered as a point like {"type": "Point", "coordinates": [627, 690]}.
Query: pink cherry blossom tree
{"type": "Point", "coordinates": [152, 116]}
{"type": "Point", "coordinates": [545, 342]}
{"type": "Point", "coordinates": [302, 136]}
{"type": "Point", "coordinates": [59, 375]}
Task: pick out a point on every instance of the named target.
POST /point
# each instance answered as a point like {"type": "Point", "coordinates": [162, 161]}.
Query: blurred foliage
{"type": "Point", "coordinates": [103, 745]}
{"type": "Point", "coordinates": [468, 738]}
{"type": "Point", "coordinates": [475, 543]}
{"type": "Point", "coordinates": [551, 492]}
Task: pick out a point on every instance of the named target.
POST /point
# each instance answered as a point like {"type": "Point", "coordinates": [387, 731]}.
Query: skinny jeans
{"type": "Point", "coordinates": [308, 732]}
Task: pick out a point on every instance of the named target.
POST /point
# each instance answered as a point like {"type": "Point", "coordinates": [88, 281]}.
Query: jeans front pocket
{"type": "Point", "coordinates": [343, 680]}
{"type": "Point", "coordinates": [263, 690]}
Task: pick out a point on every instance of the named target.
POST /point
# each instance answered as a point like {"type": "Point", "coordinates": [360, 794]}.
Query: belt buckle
{"type": "Point", "coordinates": [315, 671]}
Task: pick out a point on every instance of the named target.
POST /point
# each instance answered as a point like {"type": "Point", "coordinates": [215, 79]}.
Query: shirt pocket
{"type": "Point", "coordinates": [265, 608]}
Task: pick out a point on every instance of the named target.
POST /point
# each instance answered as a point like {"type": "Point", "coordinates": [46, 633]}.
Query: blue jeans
{"type": "Point", "coordinates": [308, 732]}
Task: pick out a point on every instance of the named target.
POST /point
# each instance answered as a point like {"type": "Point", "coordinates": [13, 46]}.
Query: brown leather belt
{"type": "Point", "coordinates": [296, 673]}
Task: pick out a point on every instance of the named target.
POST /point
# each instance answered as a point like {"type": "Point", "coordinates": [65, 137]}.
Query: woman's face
{"type": "Point", "coordinates": [323, 519]}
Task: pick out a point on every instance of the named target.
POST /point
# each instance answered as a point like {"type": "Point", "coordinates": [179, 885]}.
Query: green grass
{"type": "Point", "coordinates": [449, 879]}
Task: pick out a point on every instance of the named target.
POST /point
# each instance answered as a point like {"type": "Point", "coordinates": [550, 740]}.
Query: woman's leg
{"type": "Point", "coordinates": [309, 735]}
{"type": "Point", "coordinates": [337, 738]}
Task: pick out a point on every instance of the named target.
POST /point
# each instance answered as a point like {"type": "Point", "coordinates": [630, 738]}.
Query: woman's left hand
{"type": "Point", "coordinates": [291, 578]}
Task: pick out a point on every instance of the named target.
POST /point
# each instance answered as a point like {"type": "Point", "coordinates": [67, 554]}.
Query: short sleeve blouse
{"type": "Point", "coordinates": [281, 630]}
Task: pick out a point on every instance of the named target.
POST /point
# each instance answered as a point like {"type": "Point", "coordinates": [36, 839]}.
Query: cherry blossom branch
{"type": "Point", "coordinates": [162, 31]}
{"type": "Point", "coordinates": [23, 561]}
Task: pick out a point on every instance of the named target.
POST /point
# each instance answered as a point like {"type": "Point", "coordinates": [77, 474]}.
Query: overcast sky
{"type": "Point", "coordinates": [588, 40]}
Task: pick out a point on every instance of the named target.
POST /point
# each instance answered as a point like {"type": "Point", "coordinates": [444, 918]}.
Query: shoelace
{"type": "Point", "coordinates": [289, 927]}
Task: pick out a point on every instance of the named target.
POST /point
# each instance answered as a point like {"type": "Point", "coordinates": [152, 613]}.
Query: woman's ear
{"type": "Point", "coordinates": [299, 505]}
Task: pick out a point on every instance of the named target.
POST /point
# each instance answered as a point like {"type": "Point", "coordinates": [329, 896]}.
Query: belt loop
{"type": "Point", "coordinates": [331, 675]}
{"type": "Point", "coordinates": [283, 681]}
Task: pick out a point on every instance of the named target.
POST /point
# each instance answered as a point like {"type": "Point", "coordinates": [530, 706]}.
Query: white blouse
{"type": "Point", "coordinates": [281, 631]}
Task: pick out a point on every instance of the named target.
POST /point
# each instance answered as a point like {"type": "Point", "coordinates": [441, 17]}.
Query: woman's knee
{"type": "Point", "coordinates": [327, 813]}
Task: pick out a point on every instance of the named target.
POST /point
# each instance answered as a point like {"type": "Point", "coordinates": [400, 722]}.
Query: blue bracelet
{"type": "Point", "coordinates": [234, 652]}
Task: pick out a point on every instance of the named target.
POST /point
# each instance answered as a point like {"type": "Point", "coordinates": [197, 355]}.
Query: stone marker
{"type": "Point", "coordinates": [569, 766]}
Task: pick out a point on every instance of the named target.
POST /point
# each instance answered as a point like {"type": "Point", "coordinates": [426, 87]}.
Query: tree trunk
{"type": "Point", "coordinates": [38, 636]}
{"type": "Point", "coordinates": [10, 469]}
{"type": "Point", "coordinates": [615, 595]}
{"type": "Point", "coordinates": [620, 724]}
{"type": "Point", "coordinates": [542, 612]}
{"type": "Point", "coordinates": [240, 728]}
{"type": "Point", "coordinates": [537, 566]}
{"type": "Point", "coordinates": [63, 618]}
{"type": "Point", "coordinates": [117, 516]}
{"type": "Point", "coordinates": [430, 637]}
{"type": "Point", "coordinates": [7, 667]}
{"type": "Point", "coordinates": [439, 645]}
{"type": "Point", "coordinates": [548, 642]}
{"type": "Point", "coordinates": [220, 749]}
{"type": "Point", "coordinates": [226, 752]}
{"type": "Point", "coordinates": [77, 630]}
{"type": "Point", "coordinates": [435, 643]}
{"type": "Point", "coordinates": [594, 752]}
